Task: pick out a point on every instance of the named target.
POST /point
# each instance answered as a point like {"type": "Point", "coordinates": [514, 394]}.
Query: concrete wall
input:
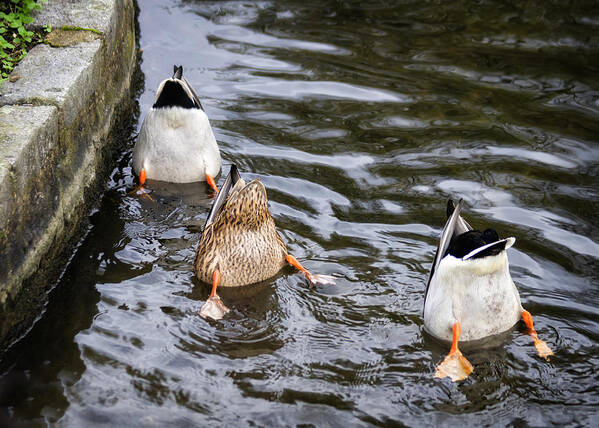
{"type": "Point", "coordinates": [57, 117]}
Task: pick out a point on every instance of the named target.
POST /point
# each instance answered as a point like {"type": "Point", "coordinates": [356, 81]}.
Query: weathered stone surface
{"type": "Point", "coordinates": [63, 38]}
{"type": "Point", "coordinates": [96, 14]}
{"type": "Point", "coordinates": [56, 124]}
{"type": "Point", "coordinates": [61, 77]}
{"type": "Point", "coordinates": [28, 136]}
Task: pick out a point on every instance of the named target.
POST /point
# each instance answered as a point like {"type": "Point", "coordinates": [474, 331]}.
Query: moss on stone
{"type": "Point", "coordinates": [61, 37]}
{"type": "Point", "coordinates": [70, 28]}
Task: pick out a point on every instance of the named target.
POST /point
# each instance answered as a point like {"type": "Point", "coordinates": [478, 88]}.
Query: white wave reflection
{"type": "Point", "coordinates": [328, 90]}
{"type": "Point", "coordinates": [490, 152]}
{"type": "Point", "coordinates": [541, 157]}
{"type": "Point", "coordinates": [244, 35]}
{"type": "Point", "coordinates": [500, 205]}
{"type": "Point", "coordinates": [545, 222]}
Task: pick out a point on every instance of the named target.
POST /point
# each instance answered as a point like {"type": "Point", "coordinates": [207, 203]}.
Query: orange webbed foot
{"type": "Point", "coordinates": [312, 277]}
{"type": "Point", "coordinates": [214, 306]}
{"type": "Point", "coordinates": [140, 190]}
{"type": "Point", "coordinates": [211, 183]}
{"type": "Point", "coordinates": [318, 278]}
{"type": "Point", "coordinates": [542, 348]}
{"type": "Point", "coordinates": [455, 365]}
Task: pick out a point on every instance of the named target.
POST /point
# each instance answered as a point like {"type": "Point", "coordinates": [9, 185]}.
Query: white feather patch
{"type": "Point", "coordinates": [508, 243]}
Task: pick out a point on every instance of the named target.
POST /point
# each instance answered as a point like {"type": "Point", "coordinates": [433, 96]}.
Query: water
{"type": "Point", "coordinates": [361, 120]}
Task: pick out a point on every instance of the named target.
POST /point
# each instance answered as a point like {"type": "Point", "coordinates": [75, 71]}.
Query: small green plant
{"type": "Point", "coordinates": [15, 39]}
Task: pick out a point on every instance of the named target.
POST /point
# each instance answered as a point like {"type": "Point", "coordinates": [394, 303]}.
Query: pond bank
{"type": "Point", "coordinates": [57, 116]}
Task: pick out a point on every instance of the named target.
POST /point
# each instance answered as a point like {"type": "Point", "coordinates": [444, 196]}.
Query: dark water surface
{"type": "Point", "coordinates": [361, 118]}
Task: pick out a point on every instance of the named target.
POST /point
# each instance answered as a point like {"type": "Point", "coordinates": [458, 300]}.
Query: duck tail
{"type": "Point", "coordinates": [177, 71]}
{"type": "Point", "coordinates": [232, 178]}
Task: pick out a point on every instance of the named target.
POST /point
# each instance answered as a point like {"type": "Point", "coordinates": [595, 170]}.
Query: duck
{"type": "Point", "coordinates": [240, 244]}
{"type": "Point", "coordinates": [176, 143]}
{"type": "Point", "coordinates": [470, 294]}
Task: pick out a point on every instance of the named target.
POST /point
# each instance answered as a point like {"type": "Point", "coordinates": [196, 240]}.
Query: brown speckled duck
{"type": "Point", "coordinates": [240, 244]}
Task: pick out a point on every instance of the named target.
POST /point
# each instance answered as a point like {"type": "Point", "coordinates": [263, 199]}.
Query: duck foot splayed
{"type": "Point", "coordinates": [214, 307]}
{"type": "Point", "coordinates": [140, 190]}
{"type": "Point", "coordinates": [313, 278]}
{"type": "Point", "coordinates": [455, 365]}
{"type": "Point", "coordinates": [542, 348]}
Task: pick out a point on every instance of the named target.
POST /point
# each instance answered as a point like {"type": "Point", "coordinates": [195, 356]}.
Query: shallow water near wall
{"type": "Point", "coordinates": [361, 119]}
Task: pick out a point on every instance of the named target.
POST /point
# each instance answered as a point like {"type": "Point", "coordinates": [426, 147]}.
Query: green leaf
{"type": "Point", "coordinates": [6, 45]}
{"type": "Point", "coordinates": [15, 39]}
{"type": "Point", "coordinates": [26, 35]}
{"type": "Point", "coordinates": [16, 23]}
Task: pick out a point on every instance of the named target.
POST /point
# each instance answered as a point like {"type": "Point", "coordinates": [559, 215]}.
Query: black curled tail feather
{"type": "Point", "coordinates": [177, 71]}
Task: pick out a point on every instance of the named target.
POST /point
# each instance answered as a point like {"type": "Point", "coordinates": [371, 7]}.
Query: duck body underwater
{"type": "Point", "coordinates": [240, 244]}
{"type": "Point", "coordinates": [470, 293]}
{"type": "Point", "coordinates": [176, 143]}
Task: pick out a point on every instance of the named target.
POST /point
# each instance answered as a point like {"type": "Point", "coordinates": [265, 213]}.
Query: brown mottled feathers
{"type": "Point", "coordinates": [240, 239]}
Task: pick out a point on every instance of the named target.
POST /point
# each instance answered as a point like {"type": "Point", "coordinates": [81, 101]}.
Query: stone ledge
{"type": "Point", "coordinates": [74, 70]}
{"type": "Point", "coordinates": [56, 132]}
{"type": "Point", "coordinates": [96, 14]}
{"type": "Point", "coordinates": [28, 133]}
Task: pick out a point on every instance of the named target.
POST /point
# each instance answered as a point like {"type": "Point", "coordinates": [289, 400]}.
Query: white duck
{"type": "Point", "coordinates": [176, 143]}
{"type": "Point", "coordinates": [470, 293]}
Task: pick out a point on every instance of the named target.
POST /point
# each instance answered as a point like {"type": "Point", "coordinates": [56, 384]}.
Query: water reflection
{"type": "Point", "coordinates": [361, 118]}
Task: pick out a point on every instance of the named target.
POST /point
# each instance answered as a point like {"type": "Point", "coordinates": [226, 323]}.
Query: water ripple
{"type": "Point", "coordinates": [361, 119]}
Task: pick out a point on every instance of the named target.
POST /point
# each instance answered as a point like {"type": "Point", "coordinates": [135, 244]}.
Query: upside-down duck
{"type": "Point", "coordinates": [176, 143]}
{"type": "Point", "coordinates": [240, 244]}
{"type": "Point", "coordinates": [470, 294]}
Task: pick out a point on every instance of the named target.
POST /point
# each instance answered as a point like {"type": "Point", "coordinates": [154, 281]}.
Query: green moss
{"type": "Point", "coordinates": [61, 38]}
{"type": "Point", "coordinates": [69, 28]}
